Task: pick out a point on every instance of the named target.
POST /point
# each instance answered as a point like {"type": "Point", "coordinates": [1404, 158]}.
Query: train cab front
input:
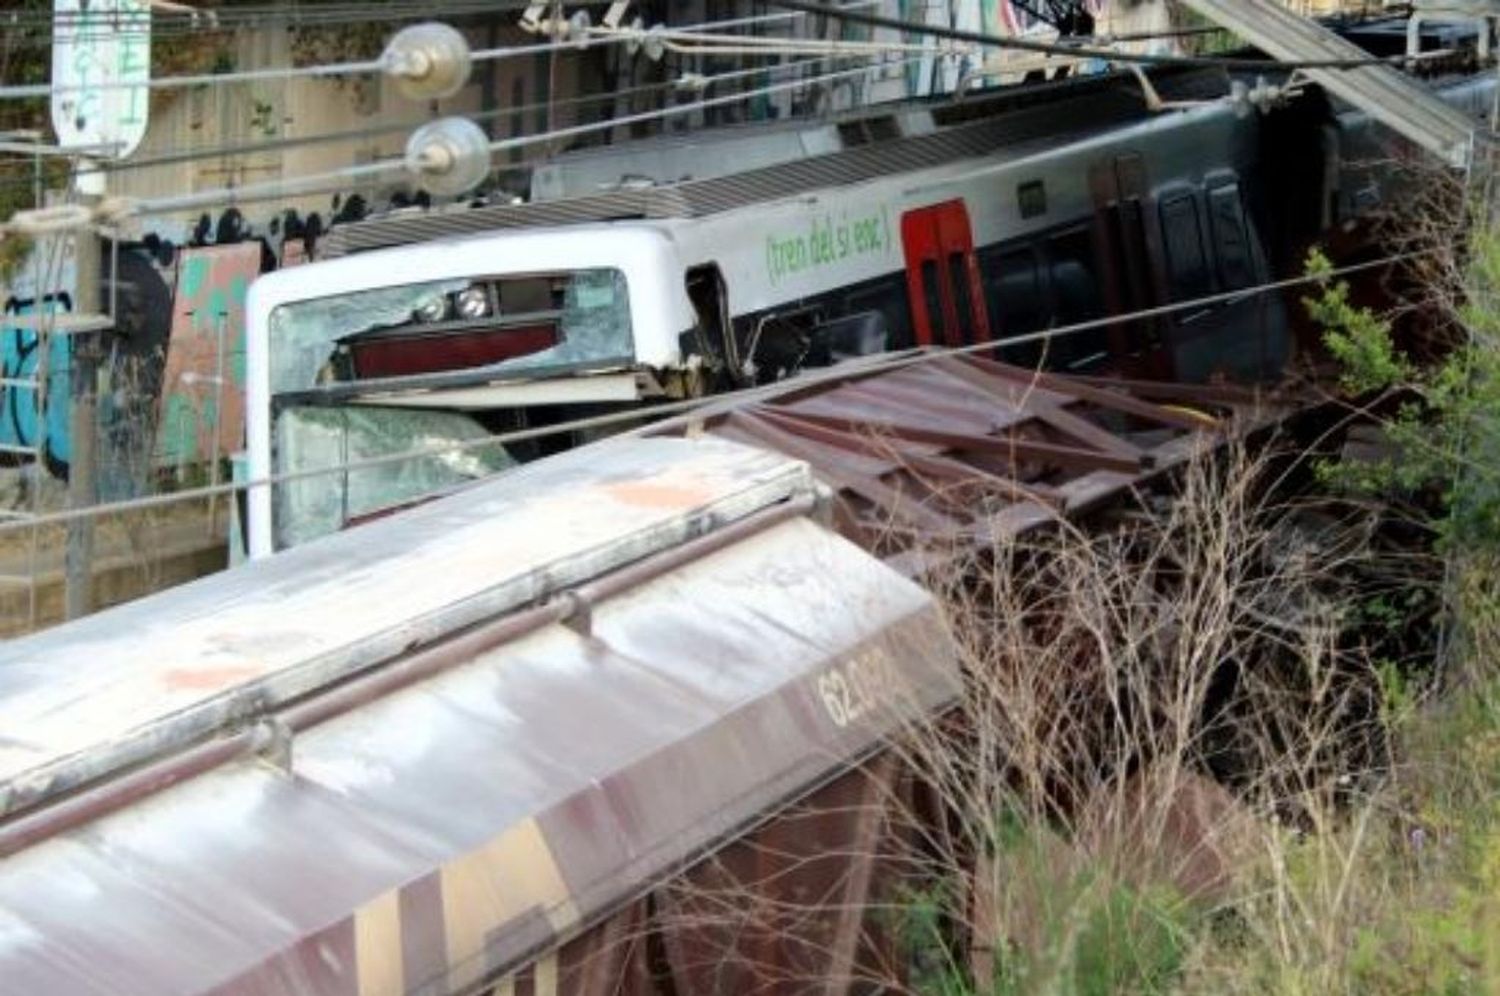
{"type": "Point", "coordinates": [384, 378]}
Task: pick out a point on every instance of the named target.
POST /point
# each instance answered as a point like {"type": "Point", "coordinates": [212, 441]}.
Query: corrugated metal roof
{"type": "Point", "coordinates": [950, 452]}
{"type": "Point", "coordinates": [1077, 116]}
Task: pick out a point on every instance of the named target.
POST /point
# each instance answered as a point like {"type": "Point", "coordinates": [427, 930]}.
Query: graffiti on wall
{"type": "Point", "coordinates": [173, 370]}
{"type": "Point", "coordinates": [27, 380]}
{"type": "Point", "coordinates": [202, 409]}
{"type": "Point", "coordinates": [35, 388]}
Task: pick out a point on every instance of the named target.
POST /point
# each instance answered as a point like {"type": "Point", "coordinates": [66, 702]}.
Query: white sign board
{"type": "Point", "coordinates": [100, 48]}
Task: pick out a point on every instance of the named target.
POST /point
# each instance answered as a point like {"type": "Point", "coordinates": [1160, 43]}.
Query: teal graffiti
{"type": "Point", "coordinates": [194, 274]}
{"type": "Point", "coordinates": [22, 422]}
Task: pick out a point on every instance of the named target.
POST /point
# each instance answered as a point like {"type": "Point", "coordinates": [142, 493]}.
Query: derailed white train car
{"type": "Point", "coordinates": [926, 225]}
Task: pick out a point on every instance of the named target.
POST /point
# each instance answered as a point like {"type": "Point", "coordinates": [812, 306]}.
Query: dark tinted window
{"type": "Point", "coordinates": [1187, 268]}
{"type": "Point", "coordinates": [1231, 240]}
{"type": "Point", "coordinates": [1075, 297]}
{"type": "Point", "coordinates": [889, 298]}
{"type": "Point", "coordinates": [958, 273]}
{"type": "Point", "coordinates": [1075, 285]}
{"type": "Point", "coordinates": [1013, 288]}
{"type": "Point", "coordinates": [934, 300]}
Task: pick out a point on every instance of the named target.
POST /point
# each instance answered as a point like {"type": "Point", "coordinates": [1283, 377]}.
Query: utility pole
{"type": "Point", "coordinates": [83, 425]}
{"type": "Point", "coordinates": [97, 45]}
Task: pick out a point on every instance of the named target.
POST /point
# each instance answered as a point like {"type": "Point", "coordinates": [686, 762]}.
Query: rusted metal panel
{"type": "Point", "coordinates": [794, 906]}
{"type": "Point", "coordinates": [948, 451]}
{"type": "Point", "coordinates": [456, 829]}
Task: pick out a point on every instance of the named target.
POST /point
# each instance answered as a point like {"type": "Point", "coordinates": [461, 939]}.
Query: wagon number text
{"type": "Point", "coordinates": [852, 689]}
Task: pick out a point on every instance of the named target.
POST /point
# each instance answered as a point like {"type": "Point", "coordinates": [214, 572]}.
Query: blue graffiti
{"type": "Point", "coordinates": [22, 423]}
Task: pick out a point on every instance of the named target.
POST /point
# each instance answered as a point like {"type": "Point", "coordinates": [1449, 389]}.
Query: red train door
{"type": "Point", "coordinates": [942, 276]}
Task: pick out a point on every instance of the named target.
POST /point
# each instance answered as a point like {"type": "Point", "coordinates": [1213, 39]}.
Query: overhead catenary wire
{"type": "Point", "coordinates": [677, 85]}
{"type": "Point", "coordinates": [36, 28]}
{"type": "Point", "coordinates": [717, 401]}
{"type": "Point", "coordinates": [796, 8]}
{"type": "Point", "coordinates": [314, 183]}
{"type": "Point", "coordinates": [367, 66]}
{"type": "Point", "coordinates": [1081, 51]}
{"type": "Point", "coordinates": [303, 17]}
{"type": "Point", "coordinates": [357, 134]}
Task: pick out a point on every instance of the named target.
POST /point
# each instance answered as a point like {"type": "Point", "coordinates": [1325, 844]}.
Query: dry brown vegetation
{"type": "Point", "coordinates": [1193, 755]}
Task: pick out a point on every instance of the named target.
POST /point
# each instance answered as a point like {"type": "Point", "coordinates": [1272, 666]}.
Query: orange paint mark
{"type": "Point", "coordinates": [657, 494]}
{"type": "Point", "coordinates": [210, 677]}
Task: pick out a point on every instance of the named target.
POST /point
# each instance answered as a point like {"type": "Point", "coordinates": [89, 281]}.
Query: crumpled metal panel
{"type": "Point", "coordinates": [941, 451]}
{"type": "Point", "coordinates": [447, 832]}
{"type": "Point", "coordinates": [120, 686]}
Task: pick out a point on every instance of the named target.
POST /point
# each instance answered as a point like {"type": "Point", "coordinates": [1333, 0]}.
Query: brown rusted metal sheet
{"type": "Point", "coordinates": [464, 827]}
{"type": "Point", "coordinates": [800, 904]}
{"type": "Point", "coordinates": [945, 451]}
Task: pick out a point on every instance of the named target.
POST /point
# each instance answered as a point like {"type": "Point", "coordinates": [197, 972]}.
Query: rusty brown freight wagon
{"type": "Point", "coordinates": [515, 739]}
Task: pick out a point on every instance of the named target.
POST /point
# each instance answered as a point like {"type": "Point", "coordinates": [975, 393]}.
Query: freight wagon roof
{"type": "Point", "coordinates": [124, 684]}
{"type": "Point", "coordinates": [454, 827]}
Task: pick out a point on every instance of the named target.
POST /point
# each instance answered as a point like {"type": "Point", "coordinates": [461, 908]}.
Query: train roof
{"type": "Point", "coordinates": [981, 130]}
{"type": "Point", "coordinates": [497, 773]}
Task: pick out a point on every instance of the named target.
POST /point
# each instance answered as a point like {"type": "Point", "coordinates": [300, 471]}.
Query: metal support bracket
{"type": "Point", "coordinates": [273, 743]}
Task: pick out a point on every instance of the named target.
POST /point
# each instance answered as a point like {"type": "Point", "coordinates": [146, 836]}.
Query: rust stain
{"type": "Point", "coordinates": [659, 494]}
{"type": "Point", "coordinates": [210, 677]}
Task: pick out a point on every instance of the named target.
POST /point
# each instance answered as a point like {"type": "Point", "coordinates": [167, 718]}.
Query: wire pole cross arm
{"type": "Point", "coordinates": [62, 218]}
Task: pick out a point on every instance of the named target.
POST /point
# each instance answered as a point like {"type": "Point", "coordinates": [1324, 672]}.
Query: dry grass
{"type": "Point", "coordinates": [1193, 756]}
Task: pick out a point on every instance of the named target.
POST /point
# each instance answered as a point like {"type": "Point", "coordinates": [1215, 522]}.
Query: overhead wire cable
{"type": "Point", "coordinates": [677, 85]}
{"type": "Point", "coordinates": [315, 183]}
{"type": "Point", "coordinates": [43, 33]}
{"type": "Point", "coordinates": [268, 145]}
{"type": "Point", "coordinates": [1080, 51]}
{"type": "Point", "coordinates": [376, 65]}
{"type": "Point", "coordinates": [363, 15]}
{"type": "Point", "coordinates": [717, 401]}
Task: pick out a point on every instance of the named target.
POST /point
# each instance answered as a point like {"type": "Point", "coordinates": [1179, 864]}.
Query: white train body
{"type": "Point", "coordinates": [938, 233]}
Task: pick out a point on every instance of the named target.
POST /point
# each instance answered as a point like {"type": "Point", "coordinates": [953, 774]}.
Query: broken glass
{"type": "Point", "coordinates": [328, 437]}
{"type": "Point", "coordinates": [591, 309]}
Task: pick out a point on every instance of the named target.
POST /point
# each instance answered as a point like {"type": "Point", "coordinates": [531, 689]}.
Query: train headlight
{"type": "Point", "coordinates": [474, 304]}
{"type": "Point", "coordinates": [432, 309]}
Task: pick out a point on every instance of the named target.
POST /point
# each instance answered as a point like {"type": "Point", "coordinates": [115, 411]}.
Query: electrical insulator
{"type": "Point", "coordinates": [428, 61]}
{"type": "Point", "coordinates": [450, 156]}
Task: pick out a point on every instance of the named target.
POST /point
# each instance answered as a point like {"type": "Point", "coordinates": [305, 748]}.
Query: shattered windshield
{"type": "Point", "coordinates": [327, 437]}
{"type": "Point", "coordinates": [500, 324]}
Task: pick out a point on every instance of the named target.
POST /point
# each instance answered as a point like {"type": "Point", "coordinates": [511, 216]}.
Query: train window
{"type": "Point", "coordinates": [710, 299]}
{"type": "Point", "coordinates": [1187, 267]}
{"type": "Point", "coordinates": [1231, 241]}
{"type": "Point", "coordinates": [1014, 291]}
{"type": "Point", "coordinates": [1076, 298]}
{"type": "Point", "coordinates": [963, 299]}
{"type": "Point", "coordinates": [1075, 287]}
{"type": "Point", "coordinates": [1033, 199]}
{"type": "Point", "coordinates": [934, 300]}
{"type": "Point", "coordinates": [888, 297]}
